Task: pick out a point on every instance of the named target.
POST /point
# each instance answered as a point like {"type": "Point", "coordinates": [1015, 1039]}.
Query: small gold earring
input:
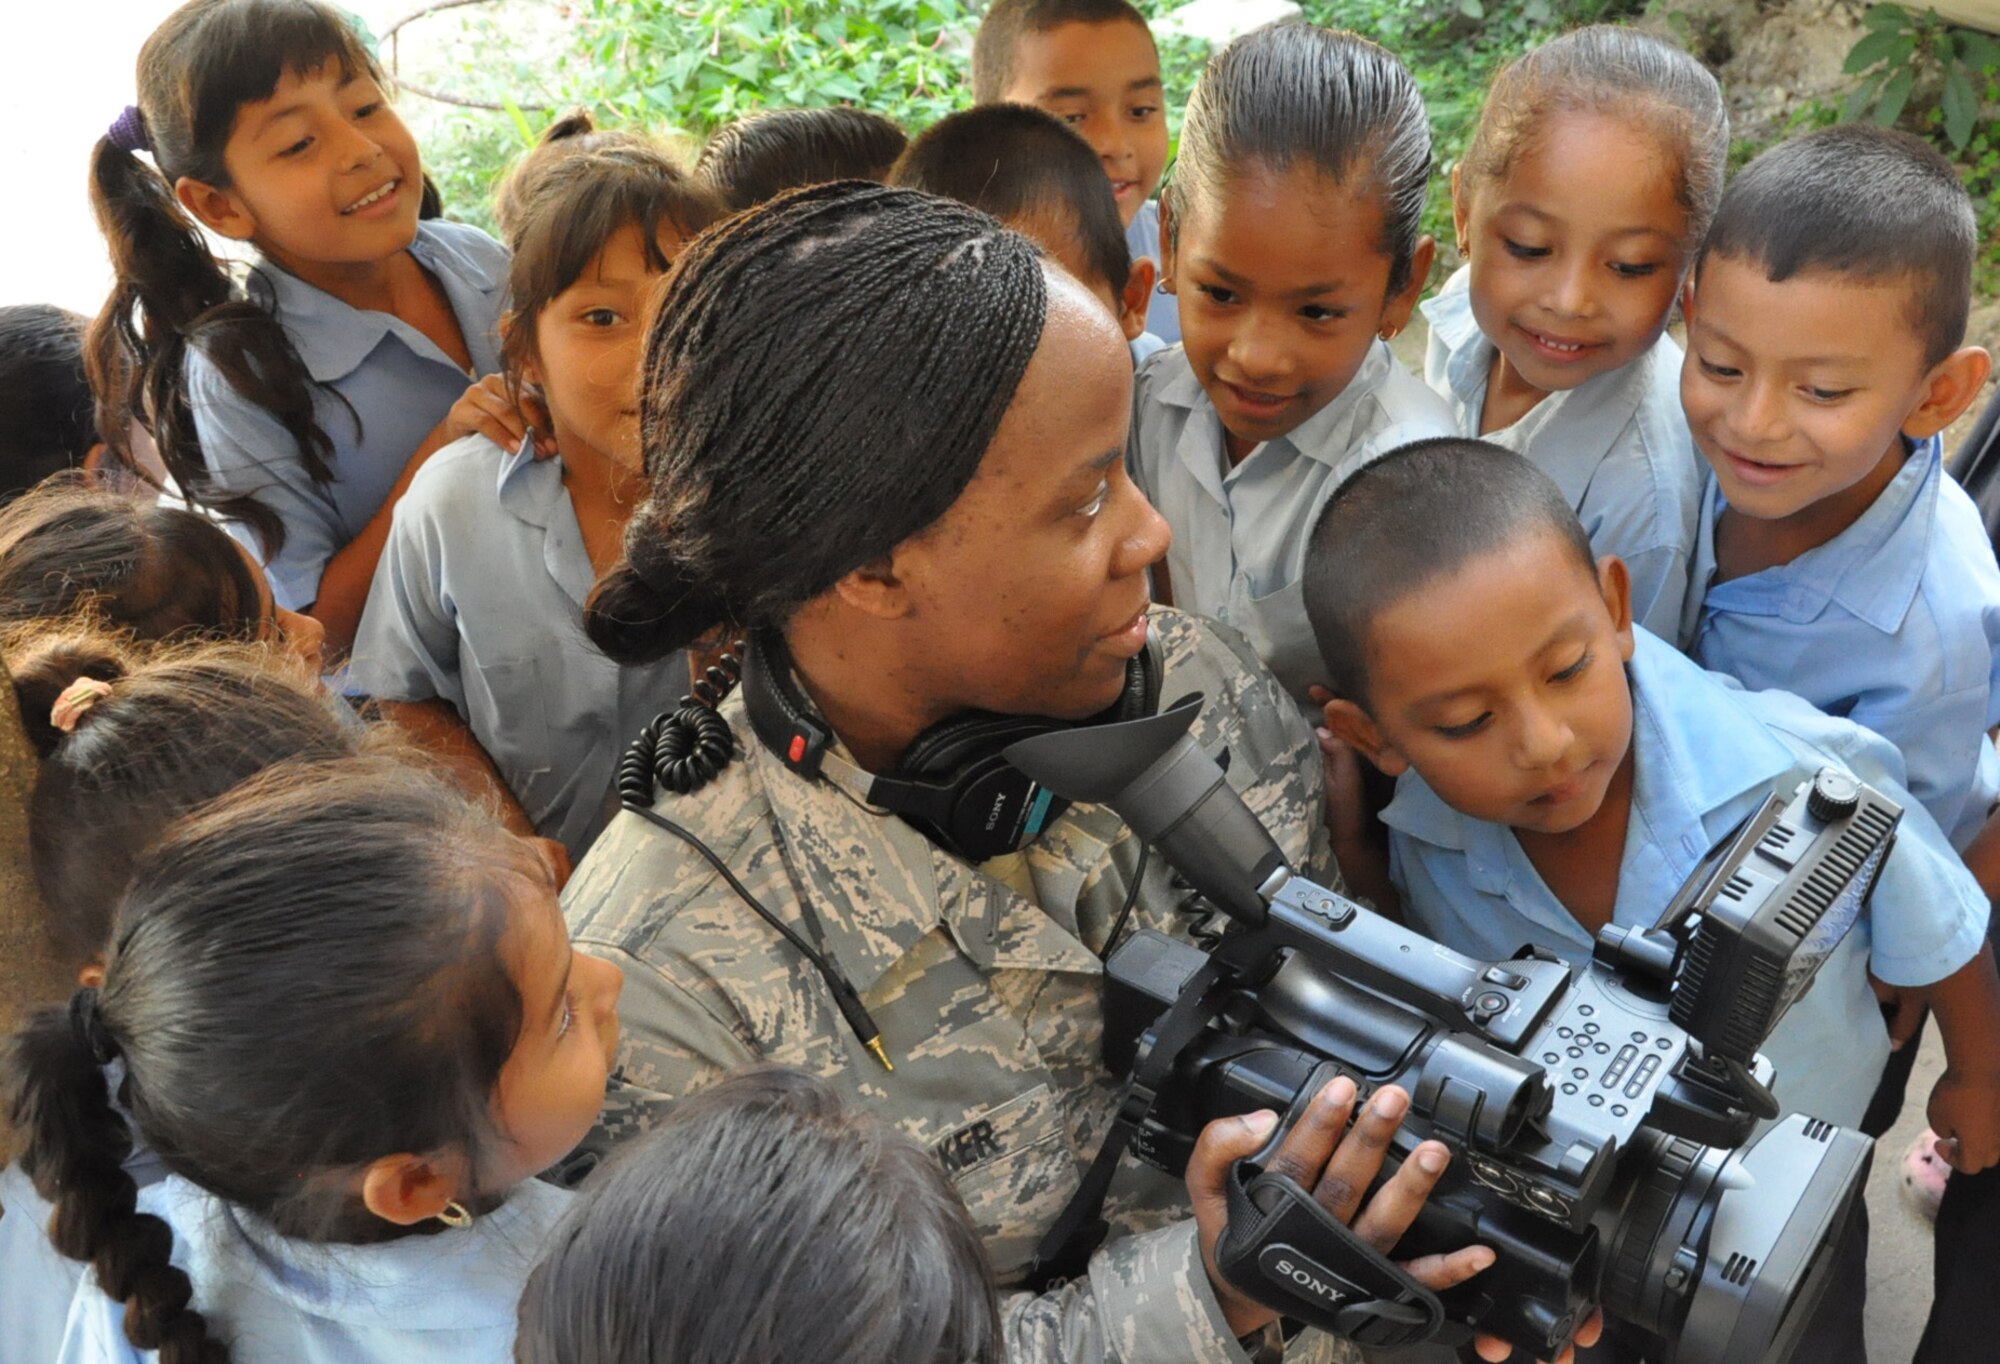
{"type": "Point", "coordinates": [455, 1215]}
{"type": "Point", "coordinates": [1390, 333]}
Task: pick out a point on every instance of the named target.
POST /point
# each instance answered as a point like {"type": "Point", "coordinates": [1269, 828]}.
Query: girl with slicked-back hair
{"type": "Point", "coordinates": [1590, 182]}
{"type": "Point", "coordinates": [1292, 237]}
{"type": "Point", "coordinates": [886, 439]}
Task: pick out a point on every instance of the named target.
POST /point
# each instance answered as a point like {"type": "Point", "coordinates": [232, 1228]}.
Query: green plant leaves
{"type": "Point", "coordinates": [1959, 104]}
{"type": "Point", "coordinates": [1880, 45]}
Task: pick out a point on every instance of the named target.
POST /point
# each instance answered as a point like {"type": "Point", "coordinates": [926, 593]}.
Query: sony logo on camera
{"type": "Point", "coordinates": [1285, 1265]}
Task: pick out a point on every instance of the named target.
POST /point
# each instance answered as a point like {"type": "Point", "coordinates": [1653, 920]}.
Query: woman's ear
{"type": "Point", "coordinates": [877, 588]}
{"type": "Point", "coordinates": [218, 210]}
{"type": "Point", "coordinates": [1137, 297]}
{"type": "Point", "coordinates": [1354, 728]}
{"type": "Point", "coordinates": [406, 1189]}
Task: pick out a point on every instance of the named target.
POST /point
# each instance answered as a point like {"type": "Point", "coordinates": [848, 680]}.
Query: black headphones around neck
{"type": "Point", "coordinates": [952, 786]}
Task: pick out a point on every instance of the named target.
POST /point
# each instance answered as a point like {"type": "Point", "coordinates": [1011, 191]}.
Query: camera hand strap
{"type": "Point", "coordinates": [1065, 1251]}
{"type": "Point", "coordinates": [1283, 1249]}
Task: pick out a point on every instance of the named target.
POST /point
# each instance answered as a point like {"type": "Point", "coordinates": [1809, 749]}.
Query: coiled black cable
{"type": "Point", "coordinates": [684, 749]}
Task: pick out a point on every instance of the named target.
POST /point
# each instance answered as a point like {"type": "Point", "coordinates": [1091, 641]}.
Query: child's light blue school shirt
{"type": "Point", "coordinates": [1240, 534]}
{"type": "Point", "coordinates": [1617, 445]}
{"type": "Point", "coordinates": [448, 1298]}
{"type": "Point", "coordinates": [478, 601]}
{"type": "Point", "coordinates": [396, 380]}
{"type": "Point", "coordinates": [1705, 755]}
{"type": "Point", "coordinates": [1142, 238]}
{"type": "Point", "coordinates": [1894, 623]}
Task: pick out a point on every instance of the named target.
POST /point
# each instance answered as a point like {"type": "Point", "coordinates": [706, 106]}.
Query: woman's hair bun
{"type": "Point", "coordinates": [44, 666]}
{"type": "Point", "coordinates": [637, 618]}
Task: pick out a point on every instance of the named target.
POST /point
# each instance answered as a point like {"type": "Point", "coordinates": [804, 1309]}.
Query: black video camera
{"type": "Point", "coordinates": [1597, 1116]}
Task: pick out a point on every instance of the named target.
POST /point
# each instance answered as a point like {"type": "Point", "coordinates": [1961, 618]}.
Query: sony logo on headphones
{"type": "Point", "coordinates": [993, 814]}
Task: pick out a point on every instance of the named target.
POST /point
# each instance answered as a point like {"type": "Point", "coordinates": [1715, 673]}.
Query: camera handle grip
{"type": "Point", "coordinates": [1285, 1250]}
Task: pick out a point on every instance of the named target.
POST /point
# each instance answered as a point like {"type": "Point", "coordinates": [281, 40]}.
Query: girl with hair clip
{"type": "Point", "coordinates": [1291, 236]}
{"type": "Point", "coordinates": [298, 397]}
{"type": "Point", "coordinates": [127, 742]}
{"type": "Point", "coordinates": [886, 436]}
{"type": "Point", "coordinates": [156, 573]}
{"type": "Point", "coordinates": [1590, 182]}
{"type": "Point", "coordinates": [352, 1030]}
{"type": "Point", "coordinates": [473, 637]}
{"type": "Point", "coordinates": [794, 1229]}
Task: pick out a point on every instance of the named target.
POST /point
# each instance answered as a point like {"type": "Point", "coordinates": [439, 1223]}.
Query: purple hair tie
{"type": "Point", "coordinates": [128, 131]}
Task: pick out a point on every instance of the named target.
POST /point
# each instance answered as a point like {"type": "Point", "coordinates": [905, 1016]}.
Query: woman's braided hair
{"type": "Point", "coordinates": [821, 380]}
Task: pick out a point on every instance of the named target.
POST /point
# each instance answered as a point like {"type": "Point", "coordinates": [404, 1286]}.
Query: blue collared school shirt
{"type": "Point", "coordinates": [448, 1298]}
{"type": "Point", "coordinates": [1894, 623]}
{"type": "Point", "coordinates": [478, 601]}
{"type": "Point", "coordinates": [396, 380]}
{"type": "Point", "coordinates": [1240, 534]}
{"type": "Point", "coordinates": [1142, 238]}
{"type": "Point", "coordinates": [1617, 445]}
{"type": "Point", "coordinates": [1705, 754]}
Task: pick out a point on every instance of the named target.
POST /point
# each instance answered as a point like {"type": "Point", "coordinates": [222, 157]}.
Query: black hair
{"type": "Point", "coordinates": [46, 419]}
{"type": "Point", "coordinates": [1005, 21]}
{"type": "Point", "coordinates": [1871, 203]}
{"type": "Point", "coordinates": [567, 208]}
{"type": "Point", "coordinates": [307, 976]}
{"type": "Point", "coordinates": [206, 61]}
{"type": "Point", "coordinates": [179, 727]}
{"type": "Point", "coordinates": [762, 155]}
{"type": "Point", "coordinates": [785, 1229]}
{"type": "Point", "coordinates": [822, 378]}
{"type": "Point", "coordinates": [1411, 517]}
{"type": "Point", "coordinates": [1618, 70]}
{"type": "Point", "coordinates": [1296, 96]}
{"type": "Point", "coordinates": [1013, 160]}
{"type": "Point", "coordinates": [575, 133]}
{"type": "Point", "coordinates": [158, 572]}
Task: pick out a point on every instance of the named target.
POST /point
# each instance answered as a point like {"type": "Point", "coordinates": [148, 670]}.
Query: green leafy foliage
{"type": "Point", "coordinates": [1899, 49]}
{"type": "Point", "coordinates": [1919, 72]}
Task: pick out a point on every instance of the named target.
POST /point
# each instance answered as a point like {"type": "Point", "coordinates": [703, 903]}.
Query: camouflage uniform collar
{"type": "Point", "coordinates": [882, 886]}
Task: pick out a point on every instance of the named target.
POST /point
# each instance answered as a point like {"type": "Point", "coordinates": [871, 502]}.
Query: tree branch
{"type": "Point", "coordinates": [435, 7]}
{"type": "Point", "coordinates": [462, 101]}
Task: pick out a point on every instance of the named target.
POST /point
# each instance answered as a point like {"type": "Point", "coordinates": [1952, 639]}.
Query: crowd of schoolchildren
{"type": "Point", "coordinates": [339, 574]}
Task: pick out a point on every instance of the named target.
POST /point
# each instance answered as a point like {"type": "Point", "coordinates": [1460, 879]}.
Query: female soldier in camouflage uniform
{"type": "Point", "coordinates": [881, 427]}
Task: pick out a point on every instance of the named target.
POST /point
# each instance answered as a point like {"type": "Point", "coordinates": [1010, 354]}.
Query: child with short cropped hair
{"type": "Point", "coordinates": [1041, 179]}
{"type": "Point", "coordinates": [1293, 240]}
{"type": "Point", "coordinates": [896, 1275]}
{"type": "Point", "coordinates": [1559, 769]}
{"type": "Point", "coordinates": [352, 1027]}
{"type": "Point", "coordinates": [128, 741]}
{"type": "Point", "coordinates": [297, 399]}
{"type": "Point", "coordinates": [473, 636]}
{"type": "Point", "coordinates": [1094, 65]}
{"type": "Point", "coordinates": [1592, 175]}
{"type": "Point", "coordinates": [1826, 355]}
{"type": "Point", "coordinates": [762, 155]}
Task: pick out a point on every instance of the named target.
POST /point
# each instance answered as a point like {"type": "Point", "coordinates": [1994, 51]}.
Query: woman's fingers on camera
{"type": "Point", "coordinates": [1304, 1153]}
{"type": "Point", "coordinates": [1359, 1159]}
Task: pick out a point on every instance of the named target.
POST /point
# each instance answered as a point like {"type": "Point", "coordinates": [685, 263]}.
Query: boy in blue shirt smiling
{"type": "Point", "coordinates": [1559, 769]}
{"type": "Point", "coordinates": [1826, 329]}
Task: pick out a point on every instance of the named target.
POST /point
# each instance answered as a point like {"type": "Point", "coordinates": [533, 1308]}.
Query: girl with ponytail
{"type": "Point", "coordinates": [352, 1030]}
{"type": "Point", "coordinates": [473, 636]}
{"type": "Point", "coordinates": [127, 742]}
{"type": "Point", "coordinates": [294, 397]}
